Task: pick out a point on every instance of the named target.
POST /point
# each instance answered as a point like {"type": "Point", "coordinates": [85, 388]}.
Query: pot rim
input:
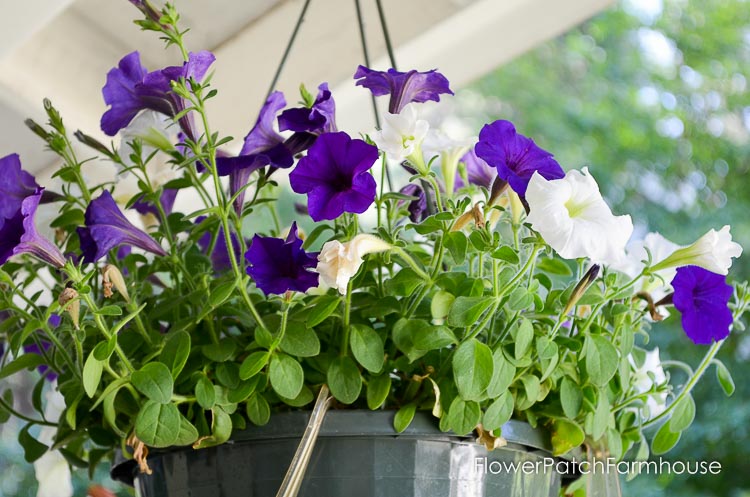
{"type": "Point", "coordinates": [351, 423]}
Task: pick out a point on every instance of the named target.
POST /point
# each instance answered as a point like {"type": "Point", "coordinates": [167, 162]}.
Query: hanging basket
{"type": "Point", "coordinates": [357, 453]}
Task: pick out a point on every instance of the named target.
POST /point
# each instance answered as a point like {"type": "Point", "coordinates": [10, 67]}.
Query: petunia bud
{"type": "Point", "coordinates": [478, 216]}
{"type": "Point", "coordinates": [68, 300]}
{"type": "Point", "coordinates": [581, 287]}
{"type": "Point", "coordinates": [112, 277]}
{"type": "Point", "coordinates": [713, 251]}
{"type": "Point", "coordinates": [339, 262]}
{"type": "Point", "coordinates": [498, 187]}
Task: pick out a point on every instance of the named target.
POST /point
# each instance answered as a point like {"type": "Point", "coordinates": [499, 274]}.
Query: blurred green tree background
{"type": "Point", "coordinates": [653, 97]}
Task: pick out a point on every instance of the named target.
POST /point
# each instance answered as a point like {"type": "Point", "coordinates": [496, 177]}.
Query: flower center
{"type": "Point", "coordinates": [341, 182]}
{"type": "Point", "coordinates": [575, 209]}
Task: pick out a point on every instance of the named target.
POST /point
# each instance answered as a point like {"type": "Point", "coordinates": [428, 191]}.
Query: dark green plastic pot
{"type": "Point", "coordinates": [357, 453]}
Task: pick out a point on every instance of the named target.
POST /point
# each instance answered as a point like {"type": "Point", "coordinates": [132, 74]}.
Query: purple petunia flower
{"type": "Point", "coordinates": [478, 172]}
{"type": "Point", "coordinates": [515, 156]}
{"type": "Point", "coordinates": [167, 199]}
{"type": "Point", "coordinates": [417, 208]}
{"type": "Point", "coordinates": [702, 297]}
{"type": "Point", "coordinates": [335, 176]}
{"type": "Point", "coordinates": [15, 185]}
{"type": "Point", "coordinates": [220, 255]}
{"type": "Point", "coordinates": [403, 87]}
{"type": "Point", "coordinates": [130, 88]}
{"type": "Point", "coordinates": [278, 265]}
{"type": "Point", "coordinates": [263, 146]}
{"type": "Point", "coordinates": [18, 235]}
{"type": "Point", "coordinates": [107, 227]}
{"type": "Point", "coordinates": [320, 118]}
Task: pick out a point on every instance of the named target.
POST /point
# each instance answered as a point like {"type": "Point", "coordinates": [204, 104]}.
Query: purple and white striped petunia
{"type": "Point", "coordinates": [336, 177]}
{"type": "Point", "coordinates": [107, 227]}
{"type": "Point", "coordinates": [403, 87]}
{"type": "Point", "coordinates": [702, 297]}
{"type": "Point", "coordinates": [515, 156]}
{"type": "Point", "coordinates": [278, 266]}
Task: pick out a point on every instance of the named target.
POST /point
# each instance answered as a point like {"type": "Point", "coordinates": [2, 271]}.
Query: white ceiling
{"type": "Point", "coordinates": [62, 49]}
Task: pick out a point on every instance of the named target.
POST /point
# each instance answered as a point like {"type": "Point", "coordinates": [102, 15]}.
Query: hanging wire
{"type": "Point", "coordinates": [288, 49]}
{"type": "Point", "coordinates": [392, 59]}
{"type": "Point", "coordinates": [386, 35]}
{"type": "Point", "coordinates": [366, 55]}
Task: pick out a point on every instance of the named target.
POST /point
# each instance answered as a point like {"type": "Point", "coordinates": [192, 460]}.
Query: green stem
{"type": "Point", "coordinates": [105, 331]}
{"type": "Point", "coordinates": [347, 320]}
{"type": "Point", "coordinates": [23, 417]}
{"type": "Point", "coordinates": [710, 354]}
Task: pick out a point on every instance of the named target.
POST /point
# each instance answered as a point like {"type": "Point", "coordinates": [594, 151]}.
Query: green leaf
{"type": "Point", "coordinates": [725, 378]}
{"type": "Point", "coordinates": [404, 417]}
{"type": "Point", "coordinates": [601, 416]}
{"type": "Point", "coordinates": [205, 393]}
{"type": "Point", "coordinates": [305, 397]}
{"type": "Point", "coordinates": [441, 304]}
{"type": "Point", "coordinates": [571, 397]}
{"type": "Point", "coordinates": [367, 347]}
{"type": "Point", "coordinates": [103, 350]}
{"type": "Point", "coordinates": [433, 338]}
{"type": "Point", "coordinates": [553, 266]}
{"type": "Point", "coordinates": [26, 361]}
{"type": "Point", "coordinates": [158, 425]}
{"type": "Point", "coordinates": [404, 332]}
{"type": "Point", "coordinates": [524, 337]}
{"type": "Point", "coordinates": [601, 359]}
{"type": "Point", "coordinates": [221, 429]}
{"type": "Point", "coordinates": [220, 352]}
{"type": "Point", "coordinates": [109, 310]}
{"type": "Point", "coordinates": [253, 364]}
{"type": "Point", "coordinates": [465, 311]}
{"type": "Point", "coordinates": [92, 373]}
{"type": "Point", "coordinates": [503, 373]}
{"type": "Point", "coordinates": [499, 412]}
{"type": "Point", "coordinates": [221, 293]}
{"type": "Point", "coordinates": [187, 434]}
{"type": "Point", "coordinates": [531, 386]}
{"type": "Point", "coordinates": [286, 375]}
{"type": "Point", "coordinates": [244, 390]}
{"type": "Point", "coordinates": [175, 352]}
{"type": "Point", "coordinates": [258, 410]}
{"type": "Point", "coordinates": [321, 309]}
{"type": "Point", "coordinates": [664, 440]}
{"type": "Point", "coordinates": [507, 254]}
{"type": "Point", "coordinates": [456, 243]}
{"type": "Point", "coordinates": [404, 283]}
{"type": "Point", "coordinates": [33, 449]}
{"type": "Point", "coordinates": [566, 435]}
{"type": "Point", "coordinates": [301, 341]}
{"type": "Point", "coordinates": [520, 299]}
{"type": "Point", "coordinates": [154, 380]}
{"type": "Point", "coordinates": [344, 379]}
{"type": "Point", "coordinates": [378, 388]}
{"type": "Point", "coordinates": [472, 369]}
{"type": "Point", "coordinates": [683, 414]}
{"type": "Point", "coordinates": [463, 416]}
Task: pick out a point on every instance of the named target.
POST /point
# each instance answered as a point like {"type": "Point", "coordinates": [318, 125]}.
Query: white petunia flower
{"type": "Point", "coordinates": [633, 263]}
{"type": "Point", "coordinates": [713, 251]}
{"type": "Point", "coordinates": [402, 135]}
{"type": "Point", "coordinates": [52, 469]}
{"type": "Point", "coordinates": [574, 219]}
{"type": "Point", "coordinates": [339, 262]}
{"type": "Point", "coordinates": [643, 382]}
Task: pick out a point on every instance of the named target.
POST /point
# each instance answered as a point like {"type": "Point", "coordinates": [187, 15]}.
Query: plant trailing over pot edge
{"type": "Point", "coordinates": [493, 285]}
